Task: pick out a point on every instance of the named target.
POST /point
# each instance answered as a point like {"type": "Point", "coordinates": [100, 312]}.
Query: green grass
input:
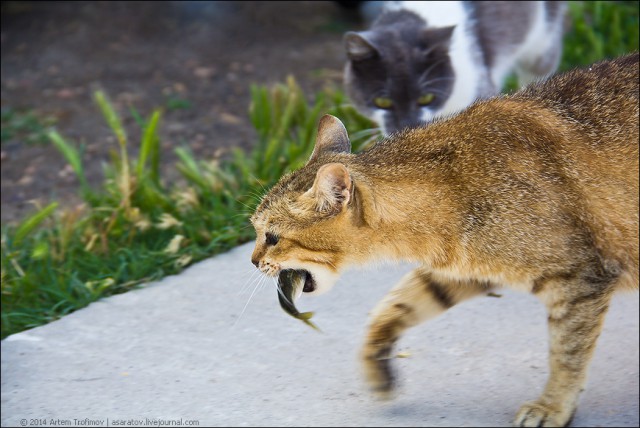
{"type": "Point", "coordinates": [24, 125]}
{"type": "Point", "coordinates": [135, 227]}
{"type": "Point", "coordinates": [177, 103]}
{"type": "Point", "coordinates": [598, 30]}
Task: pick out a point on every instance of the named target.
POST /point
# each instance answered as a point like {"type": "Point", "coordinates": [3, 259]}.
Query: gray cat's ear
{"type": "Point", "coordinates": [331, 188]}
{"type": "Point", "coordinates": [438, 36]}
{"type": "Point", "coordinates": [358, 46]}
{"type": "Point", "coordinates": [332, 137]}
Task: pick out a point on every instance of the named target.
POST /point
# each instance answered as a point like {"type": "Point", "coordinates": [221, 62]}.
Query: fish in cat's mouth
{"type": "Point", "coordinates": [290, 282]}
{"type": "Point", "coordinates": [309, 282]}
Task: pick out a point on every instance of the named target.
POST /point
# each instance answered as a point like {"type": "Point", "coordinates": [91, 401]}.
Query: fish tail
{"type": "Point", "coordinates": [312, 325]}
{"type": "Point", "coordinates": [306, 317]}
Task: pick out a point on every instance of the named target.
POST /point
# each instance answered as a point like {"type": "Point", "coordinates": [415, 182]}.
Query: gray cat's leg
{"type": "Point", "coordinates": [541, 59]}
{"type": "Point", "coordinates": [537, 68]}
{"type": "Point", "coordinates": [419, 296]}
{"type": "Point", "coordinates": [576, 313]}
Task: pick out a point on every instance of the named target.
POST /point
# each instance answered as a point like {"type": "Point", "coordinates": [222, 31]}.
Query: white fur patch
{"type": "Point", "coordinates": [427, 114]}
{"type": "Point", "coordinates": [378, 116]}
{"type": "Point", "coordinates": [462, 51]}
{"type": "Point", "coordinates": [325, 280]}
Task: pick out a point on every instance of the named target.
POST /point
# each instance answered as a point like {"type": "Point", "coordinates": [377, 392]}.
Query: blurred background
{"type": "Point", "coordinates": [196, 60]}
{"type": "Point", "coordinates": [137, 137]}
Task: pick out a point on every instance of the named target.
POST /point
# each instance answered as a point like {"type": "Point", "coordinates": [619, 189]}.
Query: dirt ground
{"type": "Point", "coordinates": [195, 59]}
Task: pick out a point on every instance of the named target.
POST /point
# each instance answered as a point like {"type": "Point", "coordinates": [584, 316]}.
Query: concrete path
{"type": "Point", "coordinates": [178, 349]}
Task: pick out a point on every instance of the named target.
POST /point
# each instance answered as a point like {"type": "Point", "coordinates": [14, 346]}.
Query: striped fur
{"type": "Point", "coordinates": [537, 191]}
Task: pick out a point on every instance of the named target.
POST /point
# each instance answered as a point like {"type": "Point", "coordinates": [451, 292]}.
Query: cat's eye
{"type": "Point", "coordinates": [426, 99]}
{"type": "Point", "coordinates": [271, 239]}
{"type": "Point", "coordinates": [383, 102]}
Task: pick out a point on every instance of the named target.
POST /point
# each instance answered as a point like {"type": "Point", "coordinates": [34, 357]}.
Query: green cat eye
{"type": "Point", "coordinates": [426, 99]}
{"type": "Point", "coordinates": [382, 102]}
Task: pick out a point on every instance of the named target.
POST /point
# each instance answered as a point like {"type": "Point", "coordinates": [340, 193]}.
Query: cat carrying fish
{"type": "Point", "coordinates": [422, 59]}
{"type": "Point", "coordinates": [537, 191]}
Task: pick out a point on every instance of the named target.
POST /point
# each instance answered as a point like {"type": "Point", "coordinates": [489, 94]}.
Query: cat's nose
{"type": "Point", "coordinates": [255, 262]}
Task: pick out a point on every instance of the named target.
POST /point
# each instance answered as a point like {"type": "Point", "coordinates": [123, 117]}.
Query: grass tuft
{"type": "Point", "coordinates": [134, 228]}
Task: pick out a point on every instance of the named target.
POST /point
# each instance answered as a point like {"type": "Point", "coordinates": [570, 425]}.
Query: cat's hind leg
{"type": "Point", "coordinates": [419, 296]}
{"type": "Point", "coordinates": [576, 307]}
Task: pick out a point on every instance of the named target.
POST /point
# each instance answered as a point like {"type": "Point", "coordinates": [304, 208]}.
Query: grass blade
{"type": "Point", "coordinates": [27, 226]}
{"type": "Point", "coordinates": [72, 156]}
{"type": "Point", "coordinates": [111, 117]}
{"type": "Point", "coordinates": [150, 148]}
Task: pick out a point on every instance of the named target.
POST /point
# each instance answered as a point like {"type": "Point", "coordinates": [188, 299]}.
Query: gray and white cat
{"type": "Point", "coordinates": [424, 59]}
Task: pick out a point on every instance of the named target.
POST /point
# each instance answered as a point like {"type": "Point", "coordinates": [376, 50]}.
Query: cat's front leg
{"type": "Point", "coordinates": [419, 296]}
{"type": "Point", "coordinates": [575, 322]}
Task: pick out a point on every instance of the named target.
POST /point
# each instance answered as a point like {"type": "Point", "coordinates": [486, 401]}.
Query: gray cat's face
{"type": "Point", "coordinates": [399, 73]}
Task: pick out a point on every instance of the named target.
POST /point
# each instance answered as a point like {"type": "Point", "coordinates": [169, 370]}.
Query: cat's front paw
{"type": "Point", "coordinates": [538, 414]}
{"type": "Point", "coordinates": [378, 372]}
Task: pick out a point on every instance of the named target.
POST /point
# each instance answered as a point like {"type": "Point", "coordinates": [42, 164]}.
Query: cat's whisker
{"type": "Point", "coordinates": [257, 196]}
{"type": "Point", "coordinates": [246, 278]}
{"type": "Point", "coordinates": [247, 285]}
{"type": "Point", "coordinates": [256, 276]}
{"type": "Point", "coordinates": [260, 282]}
{"type": "Point", "coordinates": [276, 283]}
{"type": "Point", "coordinates": [437, 79]}
{"type": "Point", "coordinates": [434, 47]}
{"type": "Point", "coordinates": [244, 204]}
{"type": "Point", "coordinates": [259, 182]}
{"type": "Point", "coordinates": [247, 225]}
{"type": "Point", "coordinates": [244, 272]}
{"type": "Point", "coordinates": [242, 214]}
{"type": "Point", "coordinates": [250, 193]}
{"type": "Point", "coordinates": [431, 67]}
{"type": "Point", "coordinates": [437, 91]}
{"type": "Point", "coordinates": [249, 207]}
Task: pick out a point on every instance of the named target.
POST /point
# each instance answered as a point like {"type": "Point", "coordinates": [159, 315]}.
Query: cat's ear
{"type": "Point", "coordinates": [358, 46]}
{"type": "Point", "coordinates": [438, 36]}
{"type": "Point", "coordinates": [331, 188]}
{"type": "Point", "coordinates": [332, 137]}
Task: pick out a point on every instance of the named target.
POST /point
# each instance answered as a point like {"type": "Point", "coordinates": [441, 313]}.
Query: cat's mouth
{"type": "Point", "coordinates": [309, 282]}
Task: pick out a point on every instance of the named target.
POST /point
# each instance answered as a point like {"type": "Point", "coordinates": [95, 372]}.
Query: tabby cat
{"type": "Point", "coordinates": [421, 59]}
{"type": "Point", "coordinates": [537, 190]}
